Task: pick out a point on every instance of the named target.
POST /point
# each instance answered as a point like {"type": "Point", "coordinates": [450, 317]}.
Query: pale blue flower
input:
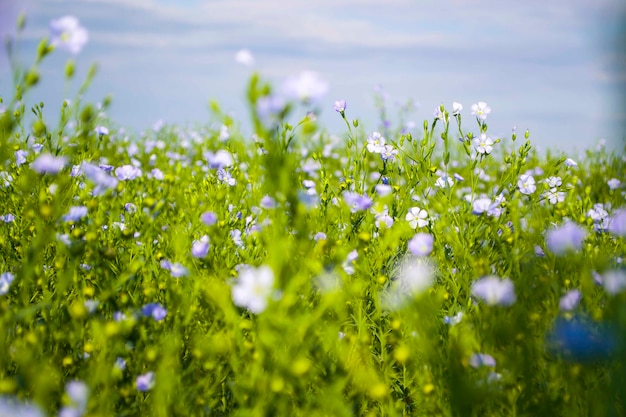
{"type": "Point", "coordinates": [12, 407]}
{"type": "Point", "coordinates": [614, 281]}
{"type": "Point", "coordinates": [127, 172]}
{"type": "Point", "coordinates": [154, 310]}
{"type": "Point", "coordinates": [376, 143]}
{"type": "Point", "coordinates": [456, 108]}
{"type": "Point", "coordinates": [617, 223]}
{"type": "Point", "coordinates": [483, 144]}
{"type": "Point", "coordinates": [319, 236]}
{"type": "Point", "coordinates": [453, 320]}
{"type": "Point", "coordinates": [357, 202]}
{"type": "Point", "coordinates": [6, 279]}
{"type": "Point", "coordinates": [49, 164]}
{"type": "Point", "coordinates": [20, 157]}
{"type": "Point", "coordinates": [208, 218]}
{"type": "Point", "coordinates": [219, 160]}
{"type": "Point", "coordinates": [101, 130]}
{"type": "Point", "coordinates": [340, 106]}
{"type": "Point", "coordinates": [68, 34]}
{"type": "Point", "coordinates": [526, 184]}
{"type": "Point", "coordinates": [570, 300]}
{"type": "Point", "coordinates": [75, 214]}
{"type": "Point", "coordinates": [145, 382]}
{"type": "Point", "coordinates": [200, 248]}
{"type": "Point", "coordinates": [494, 291]}
{"type": "Point", "coordinates": [567, 237]}
{"type": "Point", "coordinates": [421, 244]}
{"type": "Point", "coordinates": [478, 360]}
{"type": "Point", "coordinates": [613, 183]}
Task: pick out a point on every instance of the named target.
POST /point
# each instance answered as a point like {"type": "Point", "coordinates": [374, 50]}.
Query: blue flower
{"type": "Point", "coordinates": [76, 213]}
{"type": "Point", "coordinates": [494, 291]}
{"type": "Point", "coordinates": [154, 310]}
{"type": "Point", "coordinates": [581, 340]}
{"type": "Point", "coordinates": [567, 237]}
{"type": "Point", "coordinates": [421, 244]}
{"type": "Point", "coordinates": [145, 382]}
{"type": "Point", "coordinates": [5, 282]}
{"type": "Point", "coordinates": [356, 201]}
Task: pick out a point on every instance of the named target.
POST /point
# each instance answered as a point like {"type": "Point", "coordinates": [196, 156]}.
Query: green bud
{"type": "Point", "coordinates": [527, 134]}
{"type": "Point", "coordinates": [32, 78]}
{"type": "Point", "coordinates": [70, 69]}
{"type": "Point", "coordinates": [87, 114]}
{"type": "Point", "coordinates": [39, 128]}
{"type": "Point", "coordinates": [21, 22]}
{"type": "Point", "coordinates": [43, 49]}
{"type": "Point", "coordinates": [425, 124]}
{"type": "Point", "coordinates": [355, 123]}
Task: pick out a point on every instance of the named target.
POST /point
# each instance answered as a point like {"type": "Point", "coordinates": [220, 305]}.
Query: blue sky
{"type": "Point", "coordinates": [548, 66]}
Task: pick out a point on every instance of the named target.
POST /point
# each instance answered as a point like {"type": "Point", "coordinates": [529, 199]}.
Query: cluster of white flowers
{"type": "Point", "coordinates": [376, 143]}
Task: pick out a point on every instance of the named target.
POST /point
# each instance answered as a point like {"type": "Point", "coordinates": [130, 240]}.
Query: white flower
{"type": "Point", "coordinates": [444, 181]}
{"type": "Point", "coordinates": [245, 57]}
{"type": "Point", "coordinates": [554, 182]}
{"type": "Point", "coordinates": [68, 34]}
{"type": "Point", "coordinates": [306, 87]}
{"type": "Point", "coordinates": [570, 162]}
{"type": "Point", "coordinates": [554, 196]}
{"type": "Point", "coordinates": [456, 108]}
{"type": "Point", "coordinates": [526, 184]}
{"type": "Point", "coordinates": [481, 110]}
{"type": "Point", "coordinates": [376, 143]}
{"type": "Point", "coordinates": [253, 288]}
{"type": "Point", "coordinates": [483, 144]}
{"type": "Point", "coordinates": [417, 217]}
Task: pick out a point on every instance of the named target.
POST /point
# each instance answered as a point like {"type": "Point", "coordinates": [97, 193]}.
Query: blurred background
{"type": "Point", "coordinates": [554, 67]}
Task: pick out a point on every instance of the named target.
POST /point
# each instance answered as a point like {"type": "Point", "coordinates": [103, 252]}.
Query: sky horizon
{"type": "Point", "coordinates": [553, 68]}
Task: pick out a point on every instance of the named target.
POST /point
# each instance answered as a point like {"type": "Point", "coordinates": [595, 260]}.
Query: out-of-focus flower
{"type": "Point", "coordinates": [414, 276]}
{"type": "Point", "coordinates": [200, 248]}
{"type": "Point", "coordinates": [481, 110]}
{"type": "Point", "coordinates": [145, 382]}
{"type": "Point", "coordinates": [98, 176]}
{"type": "Point", "coordinates": [483, 144]}
{"type": "Point", "coordinates": [6, 279]}
{"type": "Point", "coordinates": [494, 291]}
{"type": "Point", "coordinates": [569, 162]}
{"type": "Point", "coordinates": [127, 172]}
{"type": "Point", "coordinates": [383, 190]}
{"type": "Point", "coordinates": [481, 205]}
{"type": "Point", "coordinates": [245, 57]}
{"type": "Point", "coordinates": [68, 34]}
{"type": "Point", "coordinates": [617, 223]}
{"type": "Point", "coordinates": [613, 183]}
{"type": "Point", "coordinates": [348, 264]}
{"type": "Point", "coordinates": [20, 157]}
{"type": "Point", "coordinates": [340, 106]}
{"type": "Point", "coordinates": [208, 218]}
{"type": "Point", "coordinates": [78, 393]}
{"type": "Point", "coordinates": [564, 238]}
{"type": "Point", "coordinates": [253, 288]}
{"type": "Point", "coordinates": [219, 160]}
{"type": "Point", "coordinates": [154, 310]}
{"type": "Point", "coordinates": [357, 202]}
{"type": "Point", "coordinates": [49, 164]}
{"type": "Point", "coordinates": [453, 320]}
{"type": "Point", "coordinates": [421, 244]}
{"type": "Point", "coordinates": [383, 219]}
{"type": "Point", "coordinates": [417, 217]}
{"type": "Point", "coordinates": [526, 184]}
{"type": "Point", "coordinates": [478, 360]}
{"type": "Point", "coordinates": [456, 108]}
{"type": "Point", "coordinates": [570, 300]}
{"type": "Point", "coordinates": [75, 214]}
{"type": "Point", "coordinates": [307, 87]}
{"type": "Point", "coordinates": [554, 182]}
{"type": "Point", "coordinates": [12, 407]}
{"type": "Point", "coordinates": [614, 281]}
{"type": "Point", "coordinates": [580, 340]}
{"type": "Point", "coordinates": [101, 130]}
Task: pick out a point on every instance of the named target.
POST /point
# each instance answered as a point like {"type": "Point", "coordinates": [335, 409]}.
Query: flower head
{"type": "Point", "coordinates": [494, 291]}
{"type": "Point", "coordinates": [421, 244]}
{"type": "Point", "coordinates": [200, 248]}
{"type": "Point", "coordinates": [253, 288]}
{"type": "Point", "coordinates": [340, 106]}
{"type": "Point", "coordinates": [376, 143]}
{"type": "Point", "coordinates": [67, 33]}
{"type": "Point", "coordinates": [478, 360]}
{"type": "Point", "coordinates": [76, 214]}
{"type": "Point", "coordinates": [456, 108]}
{"type": "Point", "coordinates": [357, 202]}
{"type": "Point", "coordinates": [417, 217]}
{"type": "Point", "coordinates": [307, 87]}
{"type": "Point", "coordinates": [145, 382]}
{"type": "Point", "coordinates": [154, 310]}
{"type": "Point", "coordinates": [564, 238]}
{"type": "Point", "coordinates": [526, 184]}
{"type": "Point", "coordinates": [49, 164]}
{"type": "Point", "coordinates": [483, 144]}
{"type": "Point", "coordinates": [245, 57]}
{"type": "Point", "coordinates": [481, 110]}
{"type": "Point", "coordinates": [570, 300]}
{"type": "Point", "coordinates": [6, 279]}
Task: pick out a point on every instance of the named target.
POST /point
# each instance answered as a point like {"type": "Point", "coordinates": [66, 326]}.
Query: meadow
{"type": "Point", "coordinates": [289, 271]}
